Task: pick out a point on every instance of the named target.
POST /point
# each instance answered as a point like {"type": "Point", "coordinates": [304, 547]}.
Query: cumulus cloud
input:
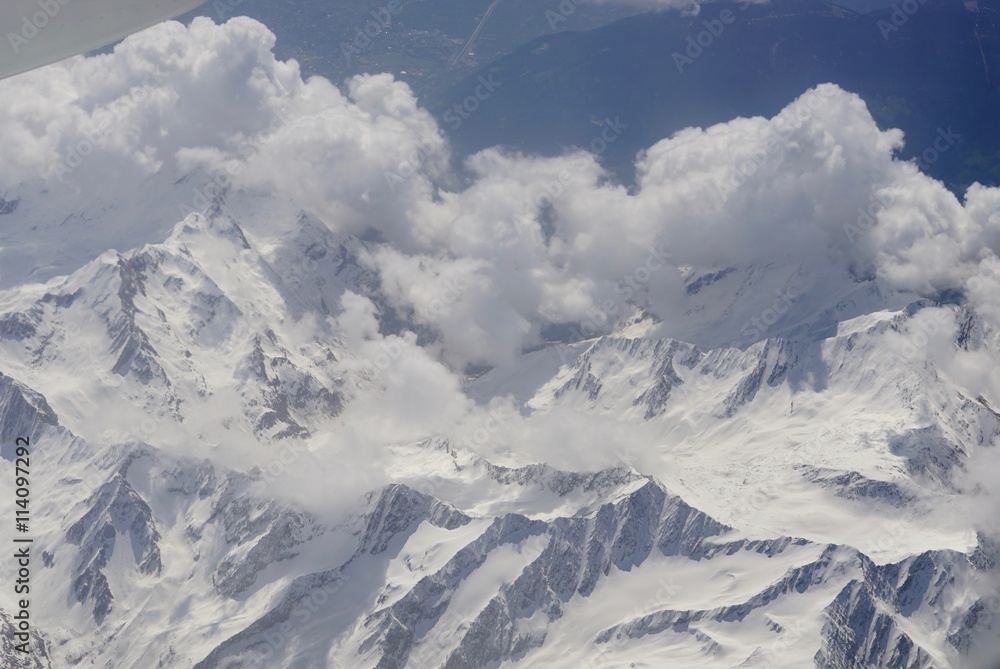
{"type": "Point", "coordinates": [169, 88]}
{"type": "Point", "coordinates": [527, 243]}
{"type": "Point", "coordinates": [177, 98]}
{"type": "Point", "coordinates": [472, 273]}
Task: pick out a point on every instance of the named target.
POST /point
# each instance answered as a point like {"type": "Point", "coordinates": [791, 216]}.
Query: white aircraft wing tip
{"type": "Point", "coordinates": [39, 32]}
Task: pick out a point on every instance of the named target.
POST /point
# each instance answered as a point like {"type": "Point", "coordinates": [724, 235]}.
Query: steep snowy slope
{"type": "Point", "coordinates": [797, 505]}
{"type": "Point", "coordinates": [341, 409]}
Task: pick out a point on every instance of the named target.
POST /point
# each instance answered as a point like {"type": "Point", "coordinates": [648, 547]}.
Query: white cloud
{"type": "Point", "coordinates": [529, 242]}
{"type": "Point", "coordinates": [480, 270]}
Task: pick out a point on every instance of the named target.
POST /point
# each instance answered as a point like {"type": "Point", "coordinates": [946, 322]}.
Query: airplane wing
{"type": "Point", "coordinates": [34, 33]}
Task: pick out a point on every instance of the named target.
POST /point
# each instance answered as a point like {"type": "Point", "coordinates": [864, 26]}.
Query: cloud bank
{"type": "Point", "coordinates": [528, 242]}
{"type": "Point", "coordinates": [477, 270]}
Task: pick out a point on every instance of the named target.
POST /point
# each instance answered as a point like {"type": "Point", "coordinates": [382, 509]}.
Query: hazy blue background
{"type": "Point", "coordinates": [936, 70]}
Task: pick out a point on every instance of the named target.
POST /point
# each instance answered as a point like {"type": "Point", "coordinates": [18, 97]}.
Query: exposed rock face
{"type": "Point", "coordinates": [171, 553]}
{"type": "Point", "coordinates": [8, 206]}
{"type": "Point", "coordinates": [23, 412]}
{"type": "Point", "coordinates": [852, 485]}
{"type": "Point", "coordinates": [116, 513]}
{"type": "Point", "coordinates": [865, 626]}
{"type": "Point", "coordinates": [257, 531]}
{"type": "Point", "coordinates": [37, 656]}
{"type": "Point", "coordinates": [279, 394]}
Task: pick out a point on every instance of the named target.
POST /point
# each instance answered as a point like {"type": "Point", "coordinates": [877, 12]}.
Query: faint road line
{"type": "Point", "coordinates": [475, 33]}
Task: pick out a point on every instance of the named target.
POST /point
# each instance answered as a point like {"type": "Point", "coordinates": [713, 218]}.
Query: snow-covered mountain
{"type": "Point", "coordinates": [316, 417]}
{"type": "Point", "coordinates": [797, 504]}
